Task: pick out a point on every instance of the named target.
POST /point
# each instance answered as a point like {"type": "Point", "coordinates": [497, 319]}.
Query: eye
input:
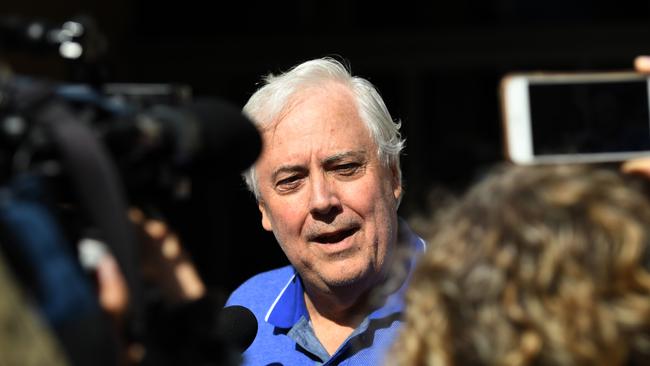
{"type": "Point", "coordinates": [347, 169]}
{"type": "Point", "coordinates": [288, 183]}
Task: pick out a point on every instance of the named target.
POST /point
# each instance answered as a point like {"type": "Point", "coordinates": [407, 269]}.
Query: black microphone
{"type": "Point", "coordinates": [237, 326]}
{"type": "Point", "coordinates": [199, 332]}
{"type": "Point", "coordinates": [227, 136]}
{"type": "Point", "coordinates": [205, 131]}
{"type": "Point", "coordinates": [159, 149]}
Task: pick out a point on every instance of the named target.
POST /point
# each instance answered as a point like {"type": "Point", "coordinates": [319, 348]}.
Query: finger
{"type": "Point", "coordinates": [157, 230]}
{"type": "Point", "coordinates": [642, 63]}
{"type": "Point", "coordinates": [136, 215]}
{"type": "Point", "coordinates": [171, 247]}
{"type": "Point", "coordinates": [189, 282]}
{"type": "Point", "coordinates": [639, 166]}
{"type": "Point", "coordinates": [113, 291]}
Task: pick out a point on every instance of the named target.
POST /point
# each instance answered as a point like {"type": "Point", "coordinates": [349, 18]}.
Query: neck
{"type": "Point", "coordinates": [334, 318]}
{"type": "Point", "coordinates": [337, 306]}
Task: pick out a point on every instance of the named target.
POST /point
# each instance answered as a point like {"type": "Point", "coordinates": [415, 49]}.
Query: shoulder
{"type": "Point", "coordinates": [261, 290]}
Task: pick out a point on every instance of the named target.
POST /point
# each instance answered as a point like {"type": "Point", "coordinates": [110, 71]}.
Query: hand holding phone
{"type": "Point", "coordinates": [575, 117]}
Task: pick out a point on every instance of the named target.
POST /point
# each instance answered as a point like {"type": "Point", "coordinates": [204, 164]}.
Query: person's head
{"type": "Point", "coordinates": [534, 266]}
{"type": "Point", "coordinates": [328, 181]}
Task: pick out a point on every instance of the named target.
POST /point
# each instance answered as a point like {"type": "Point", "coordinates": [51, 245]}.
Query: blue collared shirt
{"type": "Point", "coordinates": [285, 335]}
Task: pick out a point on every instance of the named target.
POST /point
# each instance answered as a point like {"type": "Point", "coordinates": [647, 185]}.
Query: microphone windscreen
{"type": "Point", "coordinates": [230, 141]}
{"type": "Point", "coordinates": [238, 326]}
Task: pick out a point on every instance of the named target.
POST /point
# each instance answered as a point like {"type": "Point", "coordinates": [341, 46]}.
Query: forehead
{"type": "Point", "coordinates": [318, 120]}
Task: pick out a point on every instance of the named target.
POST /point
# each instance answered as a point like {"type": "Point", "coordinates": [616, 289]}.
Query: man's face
{"type": "Point", "coordinates": [324, 193]}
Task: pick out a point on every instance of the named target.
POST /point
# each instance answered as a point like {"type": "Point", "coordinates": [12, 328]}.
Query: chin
{"type": "Point", "coordinates": [348, 278]}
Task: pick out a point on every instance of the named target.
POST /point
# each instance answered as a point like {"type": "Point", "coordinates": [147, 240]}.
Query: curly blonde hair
{"type": "Point", "coordinates": [534, 266]}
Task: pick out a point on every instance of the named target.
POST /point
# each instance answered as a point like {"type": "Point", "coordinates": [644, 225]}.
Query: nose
{"type": "Point", "coordinates": [324, 202]}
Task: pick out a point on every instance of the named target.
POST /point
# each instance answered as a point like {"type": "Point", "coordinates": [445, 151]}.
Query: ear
{"type": "Point", "coordinates": [396, 182]}
{"type": "Point", "coordinates": [266, 221]}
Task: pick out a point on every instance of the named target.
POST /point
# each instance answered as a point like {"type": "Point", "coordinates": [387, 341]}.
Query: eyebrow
{"type": "Point", "coordinates": [287, 169]}
{"type": "Point", "coordinates": [359, 154]}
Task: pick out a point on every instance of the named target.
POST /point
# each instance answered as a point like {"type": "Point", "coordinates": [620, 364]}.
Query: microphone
{"type": "Point", "coordinates": [237, 326]}
{"type": "Point", "coordinates": [208, 131]}
{"type": "Point", "coordinates": [199, 332]}
{"type": "Point", "coordinates": [226, 136]}
{"type": "Point", "coordinates": [159, 150]}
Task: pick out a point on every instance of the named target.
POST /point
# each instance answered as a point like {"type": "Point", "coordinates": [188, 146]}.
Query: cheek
{"type": "Point", "coordinates": [288, 243]}
{"type": "Point", "coordinates": [295, 250]}
{"type": "Point", "coordinates": [292, 216]}
{"type": "Point", "coordinates": [284, 208]}
{"type": "Point", "coordinates": [379, 207]}
{"type": "Point", "coordinates": [372, 197]}
{"type": "Point", "coordinates": [287, 219]}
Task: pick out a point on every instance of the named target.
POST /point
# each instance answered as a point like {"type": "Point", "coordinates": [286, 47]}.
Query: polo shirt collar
{"type": "Point", "coordinates": [289, 306]}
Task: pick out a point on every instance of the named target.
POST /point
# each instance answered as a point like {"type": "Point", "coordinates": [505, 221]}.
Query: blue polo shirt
{"type": "Point", "coordinates": [284, 333]}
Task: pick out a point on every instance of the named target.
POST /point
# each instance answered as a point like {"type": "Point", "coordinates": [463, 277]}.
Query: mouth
{"type": "Point", "coordinates": [335, 236]}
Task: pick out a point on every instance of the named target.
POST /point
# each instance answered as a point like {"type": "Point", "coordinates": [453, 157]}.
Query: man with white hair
{"type": "Point", "coordinates": [328, 185]}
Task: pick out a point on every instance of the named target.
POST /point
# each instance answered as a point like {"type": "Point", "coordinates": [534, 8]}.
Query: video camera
{"type": "Point", "coordinates": [73, 158]}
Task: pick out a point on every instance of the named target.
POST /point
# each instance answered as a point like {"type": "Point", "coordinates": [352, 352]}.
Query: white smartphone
{"type": "Point", "coordinates": [575, 117]}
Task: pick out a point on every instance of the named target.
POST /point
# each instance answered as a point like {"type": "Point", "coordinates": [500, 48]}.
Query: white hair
{"type": "Point", "coordinates": [266, 104]}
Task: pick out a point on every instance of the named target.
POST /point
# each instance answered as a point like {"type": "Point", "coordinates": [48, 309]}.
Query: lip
{"type": "Point", "coordinates": [334, 237]}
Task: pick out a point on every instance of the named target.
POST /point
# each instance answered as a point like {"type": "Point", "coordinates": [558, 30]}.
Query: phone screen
{"type": "Point", "coordinates": [589, 117]}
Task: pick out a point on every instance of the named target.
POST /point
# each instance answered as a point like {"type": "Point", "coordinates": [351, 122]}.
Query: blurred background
{"type": "Point", "coordinates": [437, 65]}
